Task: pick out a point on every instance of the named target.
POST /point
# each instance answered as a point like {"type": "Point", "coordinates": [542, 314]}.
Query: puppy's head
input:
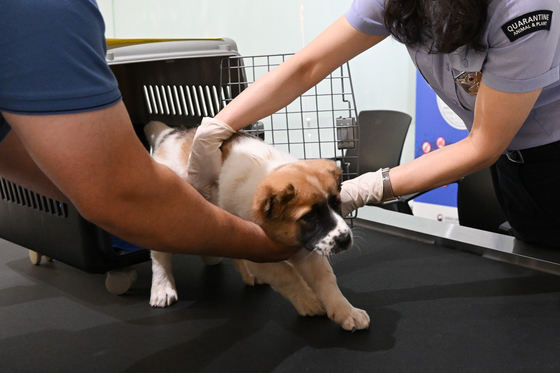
{"type": "Point", "coordinates": [299, 204]}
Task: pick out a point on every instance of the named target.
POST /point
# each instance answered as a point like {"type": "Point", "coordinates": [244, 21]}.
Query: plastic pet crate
{"type": "Point", "coordinates": [178, 82]}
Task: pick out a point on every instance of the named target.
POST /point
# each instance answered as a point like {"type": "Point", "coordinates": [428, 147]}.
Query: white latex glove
{"type": "Point", "coordinates": [205, 161]}
{"type": "Point", "coordinates": [360, 191]}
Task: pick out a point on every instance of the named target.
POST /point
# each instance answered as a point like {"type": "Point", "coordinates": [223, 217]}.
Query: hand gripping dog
{"type": "Point", "coordinates": [206, 148]}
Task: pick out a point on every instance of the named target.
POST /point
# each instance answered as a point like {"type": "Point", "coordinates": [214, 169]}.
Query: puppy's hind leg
{"type": "Point", "coordinates": [318, 273]}
{"type": "Point", "coordinates": [243, 269]}
{"type": "Point", "coordinates": [163, 291]}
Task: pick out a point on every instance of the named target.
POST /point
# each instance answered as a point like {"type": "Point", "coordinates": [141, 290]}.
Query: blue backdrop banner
{"type": "Point", "coordinates": [436, 126]}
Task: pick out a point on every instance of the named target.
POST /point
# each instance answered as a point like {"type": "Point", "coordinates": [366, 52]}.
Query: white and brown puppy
{"type": "Point", "coordinates": [295, 202]}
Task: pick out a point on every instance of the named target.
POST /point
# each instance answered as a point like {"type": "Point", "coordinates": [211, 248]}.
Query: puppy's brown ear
{"type": "Point", "coordinates": [337, 174]}
{"type": "Point", "coordinates": [333, 170]}
{"type": "Point", "coordinates": [275, 203]}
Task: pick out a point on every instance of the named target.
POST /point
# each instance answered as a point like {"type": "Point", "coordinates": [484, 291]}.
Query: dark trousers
{"type": "Point", "coordinates": [529, 194]}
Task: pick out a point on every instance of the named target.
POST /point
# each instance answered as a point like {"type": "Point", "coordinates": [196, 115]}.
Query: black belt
{"type": "Point", "coordinates": [536, 154]}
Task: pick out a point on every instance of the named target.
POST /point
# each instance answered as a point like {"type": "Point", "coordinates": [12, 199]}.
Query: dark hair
{"type": "Point", "coordinates": [443, 25]}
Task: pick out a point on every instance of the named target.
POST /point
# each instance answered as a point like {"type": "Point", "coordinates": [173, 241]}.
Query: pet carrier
{"type": "Point", "coordinates": [178, 82]}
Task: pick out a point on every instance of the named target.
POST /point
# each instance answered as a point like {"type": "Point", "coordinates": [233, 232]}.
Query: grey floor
{"type": "Point", "coordinates": [433, 310]}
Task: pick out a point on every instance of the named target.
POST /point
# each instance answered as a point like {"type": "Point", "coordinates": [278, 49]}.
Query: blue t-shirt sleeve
{"type": "Point", "coordinates": [367, 16]}
{"type": "Point", "coordinates": [53, 58]}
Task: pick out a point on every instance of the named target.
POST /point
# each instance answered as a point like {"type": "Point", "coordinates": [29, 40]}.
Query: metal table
{"type": "Point", "coordinates": [436, 304]}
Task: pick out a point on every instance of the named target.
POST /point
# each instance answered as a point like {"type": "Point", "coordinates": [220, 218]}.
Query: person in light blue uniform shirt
{"type": "Point", "coordinates": [520, 53]}
{"type": "Point", "coordinates": [509, 62]}
{"type": "Point", "coordinates": [494, 62]}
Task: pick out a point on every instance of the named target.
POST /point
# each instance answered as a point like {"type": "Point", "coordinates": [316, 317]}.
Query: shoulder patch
{"type": "Point", "coordinates": [527, 23]}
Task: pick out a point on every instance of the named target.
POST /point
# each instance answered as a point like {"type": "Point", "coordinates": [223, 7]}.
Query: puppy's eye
{"type": "Point", "coordinates": [334, 202]}
{"type": "Point", "coordinates": [310, 216]}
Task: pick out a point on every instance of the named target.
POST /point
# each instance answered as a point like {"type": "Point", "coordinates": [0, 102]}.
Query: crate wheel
{"type": "Point", "coordinates": [35, 257]}
{"type": "Point", "coordinates": [48, 259]}
{"type": "Point", "coordinates": [119, 281]}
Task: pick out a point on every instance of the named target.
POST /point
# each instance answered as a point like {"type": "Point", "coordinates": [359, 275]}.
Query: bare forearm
{"type": "Point", "coordinates": [498, 117]}
{"type": "Point", "coordinates": [169, 215]}
{"type": "Point", "coordinates": [267, 95]}
{"type": "Point", "coordinates": [338, 44]}
{"type": "Point", "coordinates": [104, 170]}
{"type": "Point", "coordinates": [440, 167]}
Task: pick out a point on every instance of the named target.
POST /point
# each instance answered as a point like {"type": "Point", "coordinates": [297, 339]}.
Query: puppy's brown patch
{"type": "Point", "coordinates": [228, 144]}
{"type": "Point", "coordinates": [290, 192]}
{"type": "Point", "coordinates": [179, 143]}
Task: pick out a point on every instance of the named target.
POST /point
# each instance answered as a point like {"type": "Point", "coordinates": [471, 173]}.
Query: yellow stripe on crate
{"type": "Point", "coordinates": [121, 42]}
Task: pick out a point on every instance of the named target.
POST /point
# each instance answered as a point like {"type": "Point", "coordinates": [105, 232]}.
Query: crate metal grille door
{"type": "Point", "coordinates": [321, 123]}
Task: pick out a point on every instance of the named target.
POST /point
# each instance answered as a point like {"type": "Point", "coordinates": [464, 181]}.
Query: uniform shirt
{"type": "Point", "coordinates": [522, 54]}
{"type": "Point", "coordinates": [52, 58]}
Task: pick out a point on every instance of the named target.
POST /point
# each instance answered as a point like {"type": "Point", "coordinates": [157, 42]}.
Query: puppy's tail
{"type": "Point", "coordinates": [154, 132]}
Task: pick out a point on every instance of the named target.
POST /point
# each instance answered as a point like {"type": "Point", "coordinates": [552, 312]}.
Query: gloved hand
{"type": "Point", "coordinates": [360, 191]}
{"type": "Point", "coordinates": [205, 161]}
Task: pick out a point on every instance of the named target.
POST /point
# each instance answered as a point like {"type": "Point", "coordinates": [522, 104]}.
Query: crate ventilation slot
{"type": "Point", "coordinates": [184, 100]}
{"type": "Point", "coordinates": [16, 194]}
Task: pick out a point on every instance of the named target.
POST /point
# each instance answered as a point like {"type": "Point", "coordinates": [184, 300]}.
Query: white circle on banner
{"type": "Point", "coordinates": [449, 115]}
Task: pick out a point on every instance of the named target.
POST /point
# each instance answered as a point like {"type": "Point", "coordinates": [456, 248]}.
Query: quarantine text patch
{"type": "Point", "coordinates": [527, 23]}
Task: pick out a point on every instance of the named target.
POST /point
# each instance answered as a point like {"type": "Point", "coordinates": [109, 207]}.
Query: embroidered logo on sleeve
{"type": "Point", "coordinates": [527, 23]}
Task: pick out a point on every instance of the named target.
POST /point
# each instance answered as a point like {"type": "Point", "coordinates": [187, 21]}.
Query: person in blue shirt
{"type": "Point", "coordinates": [494, 62]}
{"type": "Point", "coordinates": [66, 134]}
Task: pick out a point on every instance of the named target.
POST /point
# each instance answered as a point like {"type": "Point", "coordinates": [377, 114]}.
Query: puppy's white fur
{"type": "Point", "coordinates": [275, 190]}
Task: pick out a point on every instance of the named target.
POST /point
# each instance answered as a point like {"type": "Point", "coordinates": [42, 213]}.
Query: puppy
{"type": "Point", "coordinates": [295, 202]}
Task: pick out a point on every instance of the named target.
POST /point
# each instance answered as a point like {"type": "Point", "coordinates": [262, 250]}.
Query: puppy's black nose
{"type": "Point", "coordinates": [343, 240]}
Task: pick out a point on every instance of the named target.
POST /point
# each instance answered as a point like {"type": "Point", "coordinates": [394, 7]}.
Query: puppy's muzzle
{"type": "Point", "coordinates": [342, 242]}
{"type": "Point", "coordinates": [335, 242]}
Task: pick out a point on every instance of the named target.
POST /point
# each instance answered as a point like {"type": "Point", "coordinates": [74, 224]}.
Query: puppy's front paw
{"type": "Point", "coordinates": [351, 318]}
{"type": "Point", "coordinates": [163, 295]}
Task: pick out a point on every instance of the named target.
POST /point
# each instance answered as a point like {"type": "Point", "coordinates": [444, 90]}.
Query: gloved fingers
{"type": "Point", "coordinates": [213, 130]}
{"type": "Point", "coordinates": [348, 204]}
{"type": "Point", "coordinates": [205, 161]}
{"type": "Point", "coordinates": [362, 190]}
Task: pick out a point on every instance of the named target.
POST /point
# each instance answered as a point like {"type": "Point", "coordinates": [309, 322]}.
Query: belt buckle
{"type": "Point", "coordinates": [515, 156]}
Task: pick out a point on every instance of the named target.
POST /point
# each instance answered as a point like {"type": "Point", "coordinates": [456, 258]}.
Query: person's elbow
{"type": "Point", "coordinates": [488, 158]}
{"type": "Point", "coordinates": [104, 207]}
{"type": "Point", "coordinates": [484, 152]}
{"type": "Point", "coordinates": [483, 157]}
